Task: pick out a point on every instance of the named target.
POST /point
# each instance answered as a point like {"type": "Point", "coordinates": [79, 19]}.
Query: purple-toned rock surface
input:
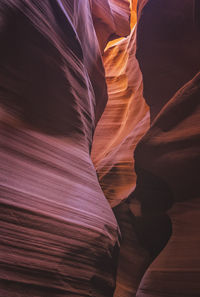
{"type": "Point", "coordinates": [167, 162]}
{"type": "Point", "coordinates": [59, 236]}
{"type": "Point", "coordinates": [167, 157]}
{"type": "Point", "coordinates": [167, 48]}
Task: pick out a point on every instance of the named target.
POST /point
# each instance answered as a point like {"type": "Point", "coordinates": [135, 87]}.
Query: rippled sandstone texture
{"type": "Point", "coordinates": [59, 235]}
{"type": "Point", "coordinates": [123, 123]}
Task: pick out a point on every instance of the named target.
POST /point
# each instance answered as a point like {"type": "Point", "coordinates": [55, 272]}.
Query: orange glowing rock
{"type": "Point", "coordinates": [124, 121]}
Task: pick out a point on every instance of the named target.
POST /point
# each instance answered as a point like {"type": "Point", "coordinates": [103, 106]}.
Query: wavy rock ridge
{"type": "Point", "coordinates": [59, 235]}
{"type": "Point", "coordinates": [72, 79]}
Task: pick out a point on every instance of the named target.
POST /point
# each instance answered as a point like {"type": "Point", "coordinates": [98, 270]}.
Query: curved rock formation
{"type": "Point", "coordinates": [167, 48]}
{"type": "Point", "coordinates": [111, 19]}
{"type": "Point", "coordinates": [124, 121]}
{"type": "Point", "coordinates": [170, 150]}
{"type": "Point", "coordinates": [59, 236]}
{"type": "Point", "coordinates": [167, 157]}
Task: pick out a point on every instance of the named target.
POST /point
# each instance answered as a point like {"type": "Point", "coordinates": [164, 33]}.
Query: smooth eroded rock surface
{"type": "Point", "coordinates": [167, 163]}
{"type": "Point", "coordinates": [123, 123]}
{"type": "Point", "coordinates": [167, 48]}
{"type": "Point", "coordinates": [59, 236]}
{"type": "Point", "coordinates": [167, 158]}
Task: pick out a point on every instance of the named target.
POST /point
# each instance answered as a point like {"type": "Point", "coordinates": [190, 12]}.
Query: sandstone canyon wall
{"type": "Point", "coordinates": [123, 123]}
{"type": "Point", "coordinates": [59, 236]}
{"type": "Point", "coordinates": [79, 82]}
{"type": "Point", "coordinates": [167, 158]}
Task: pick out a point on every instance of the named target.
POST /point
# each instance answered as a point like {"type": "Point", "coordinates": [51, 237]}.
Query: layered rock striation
{"type": "Point", "coordinates": [70, 122]}
{"type": "Point", "coordinates": [59, 236]}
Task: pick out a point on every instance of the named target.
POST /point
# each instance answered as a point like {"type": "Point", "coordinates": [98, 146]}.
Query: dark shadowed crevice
{"type": "Point", "coordinates": [153, 226]}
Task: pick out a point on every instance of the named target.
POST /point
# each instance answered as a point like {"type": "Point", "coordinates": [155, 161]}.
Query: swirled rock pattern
{"type": "Point", "coordinates": [111, 19]}
{"type": "Point", "coordinates": [124, 121]}
{"type": "Point", "coordinates": [59, 236]}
